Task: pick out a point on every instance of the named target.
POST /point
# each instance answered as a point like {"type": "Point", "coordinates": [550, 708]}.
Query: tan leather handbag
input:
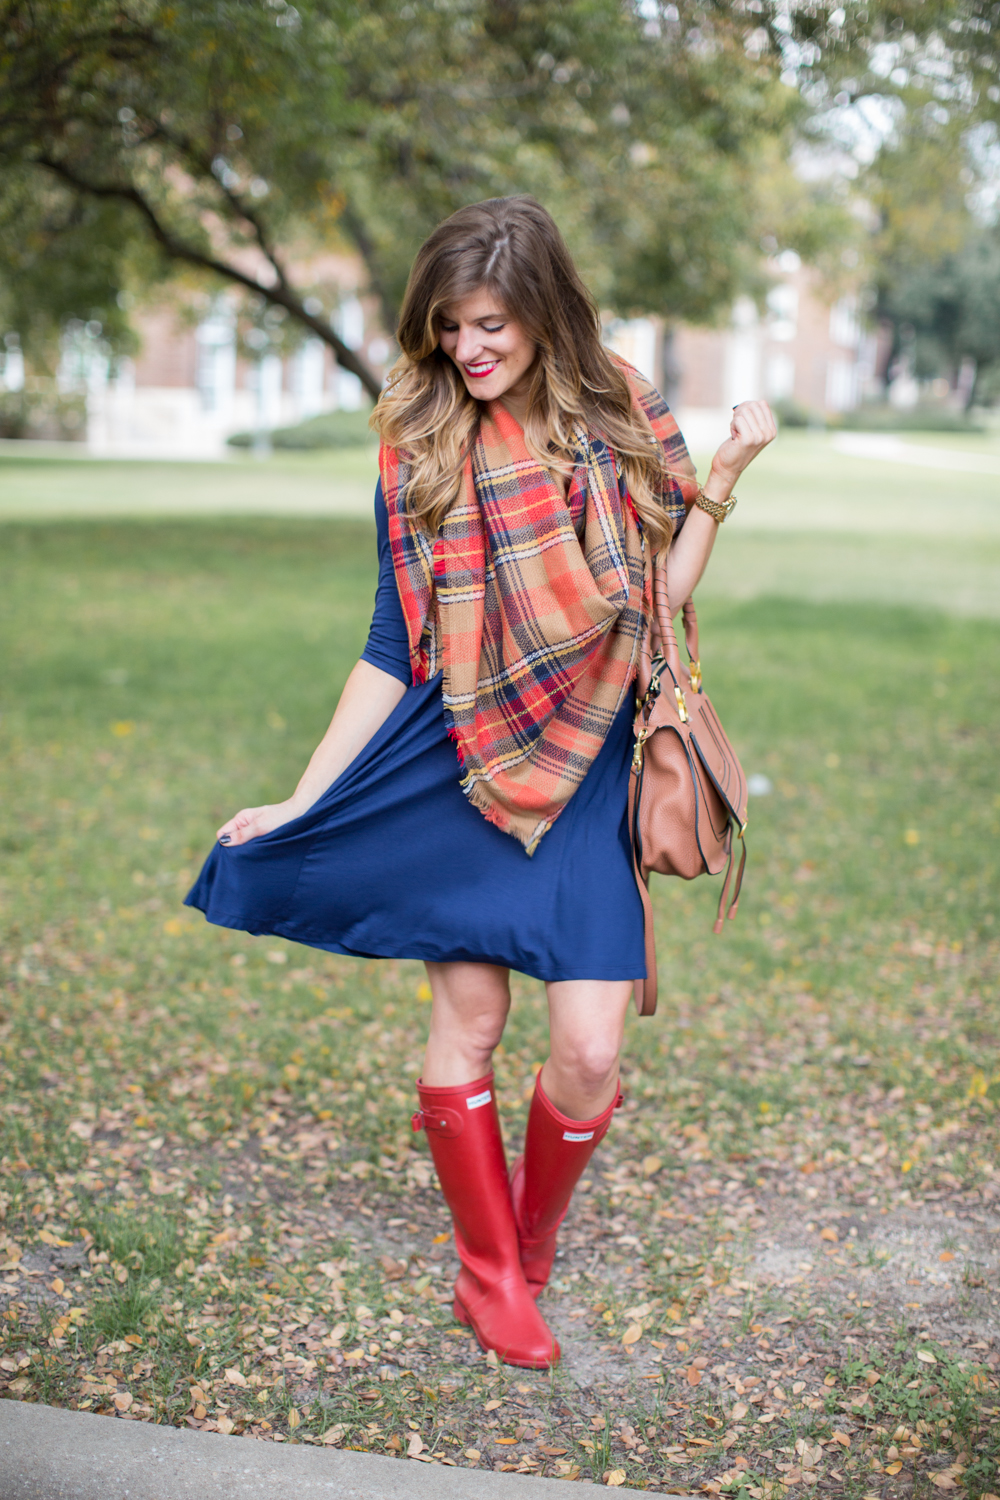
{"type": "Point", "coordinates": [687, 790]}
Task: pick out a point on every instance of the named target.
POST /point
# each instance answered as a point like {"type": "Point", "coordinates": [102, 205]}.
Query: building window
{"type": "Point", "coordinates": [845, 327]}
{"type": "Point", "coordinates": [783, 312]}
{"type": "Point", "coordinates": [841, 385]}
{"type": "Point", "coordinates": [216, 339]}
{"type": "Point", "coordinates": [779, 377]}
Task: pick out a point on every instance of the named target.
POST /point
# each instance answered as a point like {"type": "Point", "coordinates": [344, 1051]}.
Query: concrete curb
{"type": "Point", "coordinates": [49, 1454]}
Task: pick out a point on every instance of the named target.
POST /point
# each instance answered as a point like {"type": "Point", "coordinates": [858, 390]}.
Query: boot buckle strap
{"type": "Point", "coordinates": [443, 1122]}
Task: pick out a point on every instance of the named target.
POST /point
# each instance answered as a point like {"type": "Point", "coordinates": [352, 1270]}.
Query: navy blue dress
{"type": "Point", "coordinates": [394, 862]}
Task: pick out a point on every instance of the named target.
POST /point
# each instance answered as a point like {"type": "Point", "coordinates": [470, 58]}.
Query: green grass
{"type": "Point", "coordinates": [206, 1121]}
{"type": "Point", "coordinates": [812, 522]}
{"type": "Point", "coordinates": [44, 486]}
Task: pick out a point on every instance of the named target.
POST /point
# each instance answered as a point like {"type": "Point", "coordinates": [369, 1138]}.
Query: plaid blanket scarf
{"type": "Point", "coordinates": [534, 621]}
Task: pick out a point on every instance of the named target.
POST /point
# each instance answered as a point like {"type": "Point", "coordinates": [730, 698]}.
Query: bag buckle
{"type": "Point", "coordinates": [682, 707]}
{"type": "Point", "coordinates": [640, 740]}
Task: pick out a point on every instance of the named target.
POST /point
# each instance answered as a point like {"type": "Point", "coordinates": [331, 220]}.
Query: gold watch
{"type": "Point", "coordinates": [717, 509]}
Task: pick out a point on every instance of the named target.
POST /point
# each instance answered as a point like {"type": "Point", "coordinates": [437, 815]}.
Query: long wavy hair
{"type": "Point", "coordinates": [512, 248]}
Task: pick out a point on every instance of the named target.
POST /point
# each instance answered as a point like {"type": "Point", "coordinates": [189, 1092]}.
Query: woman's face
{"type": "Point", "coordinates": [491, 350]}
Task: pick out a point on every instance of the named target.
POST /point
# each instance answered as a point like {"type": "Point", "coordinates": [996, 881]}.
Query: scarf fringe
{"type": "Point", "coordinates": [500, 818]}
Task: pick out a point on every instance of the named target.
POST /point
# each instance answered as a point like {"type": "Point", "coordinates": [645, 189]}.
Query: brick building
{"type": "Point", "coordinates": [190, 387]}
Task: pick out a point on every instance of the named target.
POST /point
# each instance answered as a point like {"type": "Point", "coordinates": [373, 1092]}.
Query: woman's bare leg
{"type": "Point", "coordinates": [468, 1016]}
{"type": "Point", "coordinates": [586, 1029]}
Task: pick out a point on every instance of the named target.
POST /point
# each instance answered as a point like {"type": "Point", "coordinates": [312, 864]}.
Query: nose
{"type": "Point", "coordinates": [470, 344]}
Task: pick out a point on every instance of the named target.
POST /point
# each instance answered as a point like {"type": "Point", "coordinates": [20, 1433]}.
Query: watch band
{"type": "Point", "coordinates": [717, 509]}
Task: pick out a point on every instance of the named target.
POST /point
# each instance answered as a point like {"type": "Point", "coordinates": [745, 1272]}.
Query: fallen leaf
{"type": "Point", "coordinates": [58, 1286]}
{"type": "Point", "coordinates": [52, 1239]}
{"type": "Point", "coordinates": [829, 1234]}
{"type": "Point", "coordinates": [614, 1477]}
{"type": "Point", "coordinates": [293, 1417]}
{"type": "Point", "coordinates": [492, 1405]}
{"type": "Point", "coordinates": [651, 1165]}
{"type": "Point", "coordinates": [473, 1455]}
{"type": "Point", "coordinates": [632, 1334]}
{"type": "Point", "coordinates": [893, 1468]}
{"type": "Point", "coordinates": [415, 1446]}
{"type": "Point", "coordinates": [552, 1452]}
{"type": "Point", "coordinates": [926, 1357]}
{"type": "Point", "coordinates": [946, 1255]}
{"type": "Point", "coordinates": [225, 1425]}
{"type": "Point", "coordinates": [236, 1377]}
{"type": "Point", "coordinates": [944, 1481]}
{"type": "Point", "coordinates": [440, 1239]}
{"type": "Point", "coordinates": [693, 1375]}
{"type": "Point", "coordinates": [123, 1401]}
{"type": "Point", "coordinates": [738, 1412]}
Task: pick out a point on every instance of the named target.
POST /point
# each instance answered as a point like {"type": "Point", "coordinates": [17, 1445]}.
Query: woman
{"type": "Point", "coordinates": [467, 803]}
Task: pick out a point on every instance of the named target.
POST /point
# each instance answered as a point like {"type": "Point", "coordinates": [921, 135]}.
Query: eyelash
{"type": "Point", "coordinates": [452, 328]}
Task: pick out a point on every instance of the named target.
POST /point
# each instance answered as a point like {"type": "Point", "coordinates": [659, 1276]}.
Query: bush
{"type": "Point", "coordinates": [42, 414]}
{"type": "Point", "coordinates": [911, 419]}
{"type": "Point", "coordinates": [790, 414]}
{"type": "Point", "coordinates": [331, 429]}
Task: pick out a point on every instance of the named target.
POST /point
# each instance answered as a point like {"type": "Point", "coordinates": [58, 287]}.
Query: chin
{"type": "Point", "coordinates": [485, 390]}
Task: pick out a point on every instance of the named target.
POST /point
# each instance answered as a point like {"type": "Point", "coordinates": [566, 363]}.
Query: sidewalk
{"type": "Point", "coordinates": [48, 1454]}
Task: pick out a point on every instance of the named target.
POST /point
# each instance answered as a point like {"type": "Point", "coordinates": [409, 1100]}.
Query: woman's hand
{"type": "Point", "coordinates": [253, 821]}
{"type": "Point", "coordinates": [752, 428]}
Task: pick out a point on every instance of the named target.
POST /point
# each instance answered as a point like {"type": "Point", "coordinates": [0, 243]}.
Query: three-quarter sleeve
{"type": "Point", "coordinates": [387, 647]}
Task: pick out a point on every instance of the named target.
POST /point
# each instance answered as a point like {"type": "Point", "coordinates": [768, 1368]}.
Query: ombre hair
{"type": "Point", "coordinates": [512, 248]}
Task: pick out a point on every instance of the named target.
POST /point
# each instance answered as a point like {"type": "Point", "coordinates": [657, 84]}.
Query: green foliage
{"type": "Point", "coordinates": [41, 412]}
{"type": "Point", "coordinates": [790, 414]}
{"type": "Point", "coordinates": [912, 419]}
{"type": "Point", "coordinates": [332, 429]}
{"type": "Point", "coordinates": [227, 138]}
{"type": "Point", "coordinates": [948, 310]}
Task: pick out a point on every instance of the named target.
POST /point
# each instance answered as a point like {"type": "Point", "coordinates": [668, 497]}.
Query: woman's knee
{"type": "Point", "coordinates": [471, 1001]}
{"type": "Point", "coordinates": [591, 1061]}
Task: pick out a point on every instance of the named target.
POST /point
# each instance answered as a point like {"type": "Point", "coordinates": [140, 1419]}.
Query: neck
{"type": "Point", "coordinates": [517, 404]}
{"type": "Point", "coordinates": [516, 399]}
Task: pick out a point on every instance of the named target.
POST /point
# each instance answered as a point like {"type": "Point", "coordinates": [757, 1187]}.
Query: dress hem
{"type": "Point", "coordinates": [608, 973]}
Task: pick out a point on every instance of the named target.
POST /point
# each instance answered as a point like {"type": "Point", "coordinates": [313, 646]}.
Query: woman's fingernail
{"type": "Point", "coordinates": [225, 838]}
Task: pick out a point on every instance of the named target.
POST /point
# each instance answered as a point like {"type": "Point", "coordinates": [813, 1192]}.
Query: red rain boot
{"type": "Point", "coordinates": [556, 1151]}
{"type": "Point", "coordinates": [491, 1294]}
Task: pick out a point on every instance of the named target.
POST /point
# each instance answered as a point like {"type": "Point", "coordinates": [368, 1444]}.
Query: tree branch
{"type": "Point", "coordinates": [279, 295]}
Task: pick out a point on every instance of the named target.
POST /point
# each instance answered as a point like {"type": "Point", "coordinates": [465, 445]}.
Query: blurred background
{"type": "Point", "coordinates": [207, 216]}
{"type": "Point", "coordinates": [207, 213]}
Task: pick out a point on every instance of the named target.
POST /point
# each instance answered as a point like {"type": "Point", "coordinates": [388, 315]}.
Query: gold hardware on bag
{"type": "Point", "coordinates": [682, 707]}
{"type": "Point", "coordinates": [696, 676]}
{"type": "Point", "coordinates": [640, 740]}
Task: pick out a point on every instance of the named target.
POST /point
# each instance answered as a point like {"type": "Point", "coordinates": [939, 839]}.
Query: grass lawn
{"type": "Point", "coordinates": [812, 522]}
{"type": "Point", "coordinates": [783, 1268]}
